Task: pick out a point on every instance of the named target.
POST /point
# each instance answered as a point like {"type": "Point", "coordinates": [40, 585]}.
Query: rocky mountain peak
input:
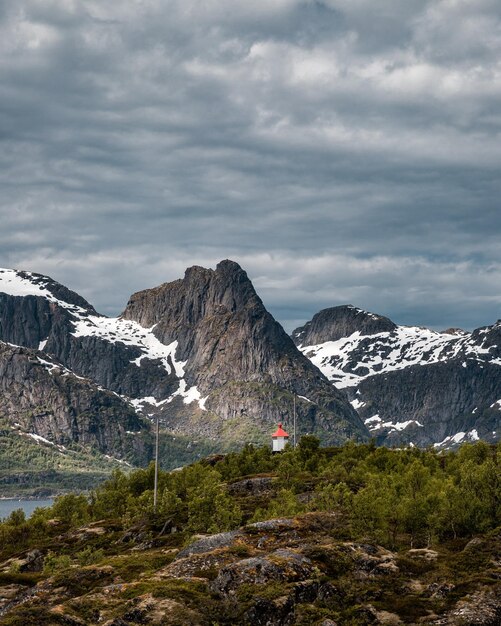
{"type": "Point", "coordinates": [222, 329]}
{"type": "Point", "coordinates": [201, 293]}
{"type": "Point", "coordinates": [410, 384]}
{"type": "Point", "coordinates": [233, 351]}
{"type": "Point", "coordinates": [340, 321]}
{"type": "Point", "coordinates": [454, 331]}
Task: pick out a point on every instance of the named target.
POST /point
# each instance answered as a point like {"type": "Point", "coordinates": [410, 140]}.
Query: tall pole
{"type": "Point", "coordinates": [155, 488]}
{"type": "Point", "coordinates": [294, 413]}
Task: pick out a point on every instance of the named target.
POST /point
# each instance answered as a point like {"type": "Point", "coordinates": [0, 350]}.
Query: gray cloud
{"type": "Point", "coordinates": [341, 150]}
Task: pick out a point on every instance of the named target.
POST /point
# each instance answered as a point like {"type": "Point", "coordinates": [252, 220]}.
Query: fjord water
{"type": "Point", "coordinates": [28, 506]}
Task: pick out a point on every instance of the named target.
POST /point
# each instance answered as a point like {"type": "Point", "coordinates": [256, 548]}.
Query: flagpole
{"type": "Point", "coordinates": [155, 488]}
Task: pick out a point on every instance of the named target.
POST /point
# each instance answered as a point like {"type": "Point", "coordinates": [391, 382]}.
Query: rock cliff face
{"type": "Point", "coordinates": [45, 400]}
{"type": "Point", "coordinates": [410, 384]}
{"type": "Point", "coordinates": [201, 352]}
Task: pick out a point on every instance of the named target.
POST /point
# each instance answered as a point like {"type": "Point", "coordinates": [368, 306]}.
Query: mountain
{"type": "Point", "coordinates": [237, 362]}
{"type": "Point", "coordinates": [410, 385]}
{"type": "Point", "coordinates": [201, 352]}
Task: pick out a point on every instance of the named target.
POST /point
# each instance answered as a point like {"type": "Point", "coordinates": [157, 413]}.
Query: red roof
{"type": "Point", "coordinates": [280, 432]}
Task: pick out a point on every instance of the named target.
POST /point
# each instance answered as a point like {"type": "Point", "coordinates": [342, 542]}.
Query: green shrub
{"type": "Point", "coordinates": [55, 563]}
{"type": "Point", "coordinates": [89, 556]}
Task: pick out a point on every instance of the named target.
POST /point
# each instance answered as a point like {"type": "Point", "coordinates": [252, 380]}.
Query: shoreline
{"type": "Point", "coordinates": [25, 498]}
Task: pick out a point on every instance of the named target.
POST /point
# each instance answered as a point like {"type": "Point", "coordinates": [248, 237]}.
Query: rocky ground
{"type": "Point", "coordinates": [299, 570]}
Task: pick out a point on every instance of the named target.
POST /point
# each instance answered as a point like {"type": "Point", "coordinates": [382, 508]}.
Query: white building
{"type": "Point", "coordinates": [280, 438]}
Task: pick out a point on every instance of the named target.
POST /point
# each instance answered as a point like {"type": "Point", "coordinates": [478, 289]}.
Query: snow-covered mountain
{"type": "Point", "coordinates": [410, 384]}
{"type": "Point", "coordinates": [201, 352]}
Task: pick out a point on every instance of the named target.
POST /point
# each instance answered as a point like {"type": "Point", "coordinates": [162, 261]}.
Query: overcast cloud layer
{"type": "Point", "coordinates": [340, 150]}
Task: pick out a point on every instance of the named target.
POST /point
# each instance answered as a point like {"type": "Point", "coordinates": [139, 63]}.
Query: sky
{"type": "Point", "coordinates": [342, 151]}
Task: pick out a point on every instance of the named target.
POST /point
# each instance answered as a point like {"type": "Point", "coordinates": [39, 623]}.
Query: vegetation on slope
{"type": "Point", "coordinates": [359, 534]}
{"type": "Point", "coordinates": [37, 468]}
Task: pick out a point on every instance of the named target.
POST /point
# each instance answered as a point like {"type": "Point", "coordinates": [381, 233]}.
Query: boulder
{"type": "Point", "coordinates": [196, 565]}
{"type": "Point", "coordinates": [440, 590]}
{"type": "Point", "coordinates": [212, 542]}
{"type": "Point", "coordinates": [281, 565]}
{"type": "Point", "coordinates": [388, 619]}
{"type": "Point", "coordinates": [279, 612]}
{"type": "Point", "coordinates": [33, 562]}
{"type": "Point", "coordinates": [423, 553]}
{"type": "Point", "coordinates": [305, 591]}
{"type": "Point", "coordinates": [272, 524]}
{"type": "Point", "coordinates": [250, 486]}
{"type": "Point", "coordinates": [374, 560]}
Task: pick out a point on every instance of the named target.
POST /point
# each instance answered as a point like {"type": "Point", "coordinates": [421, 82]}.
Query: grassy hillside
{"type": "Point", "coordinates": [29, 467]}
{"type": "Point", "coordinates": [34, 467]}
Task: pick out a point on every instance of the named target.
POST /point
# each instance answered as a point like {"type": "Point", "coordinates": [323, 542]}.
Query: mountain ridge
{"type": "Point", "coordinates": [410, 384]}
{"type": "Point", "coordinates": [202, 353]}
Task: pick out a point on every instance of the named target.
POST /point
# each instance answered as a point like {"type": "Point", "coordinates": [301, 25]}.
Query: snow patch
{"type": "Point", "coordinates": [350, 360]}
{"type": "Point", "coordinates": [132, 334]}
{"type": "Point", "coordinates": [356, 404]}
{"type": "Point", "coordinates": [138, 403]}
{"type": "Point", "coordinates": [452, 439]}
{"type": "Point", "coordinates": [202, 402]}
{"type": "Point", "coordinates": [188, 395]}
{"type": "Point", "coordinates": [306, 399]}
{"type": "Point", "coordinates": [473, 435]}
{"type": "Point", "coordinates": [400, 425]}
{"type": "Point", "coordinates": [13, 283]}
{"type": "Point", "coordinates": [48, 365]}
{"type": "Point", "coordinates": [460, 437]}
{"type": "Point", "coordinates": [376, 423]}
{"type": "Point", "coordinates": [51, 367]}
{"type": "Point", "coordinates": [121, 461]}
{"type": "Point", "coordinates": [40, 439]}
